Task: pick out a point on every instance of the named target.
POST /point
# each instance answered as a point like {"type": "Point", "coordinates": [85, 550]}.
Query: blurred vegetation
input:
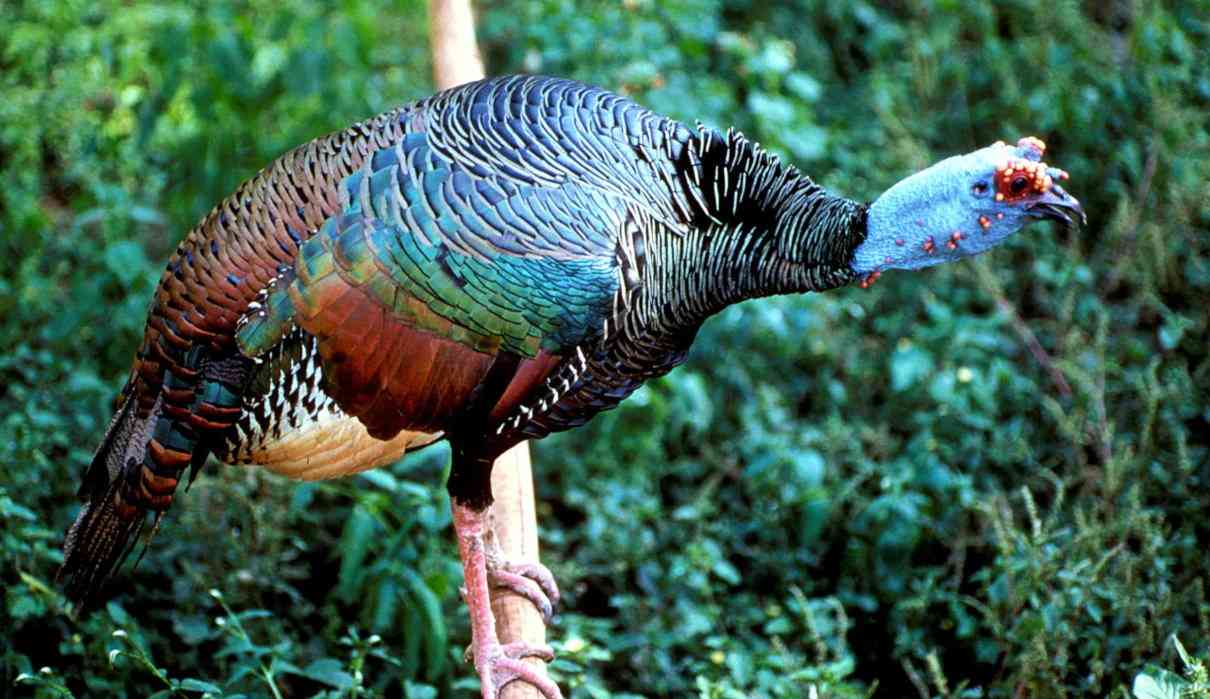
{"type": "Point", "coordinates": [881, 492]}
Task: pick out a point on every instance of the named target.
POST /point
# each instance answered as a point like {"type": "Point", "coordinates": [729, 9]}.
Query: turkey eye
{"type": "Point", "coordinates": [979, 188]}
{"type": "Point", "coordinates": [1018, 185]}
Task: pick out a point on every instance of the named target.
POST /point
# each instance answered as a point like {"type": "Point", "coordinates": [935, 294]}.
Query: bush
{"type": "Point", "coordinates": [989, 479]}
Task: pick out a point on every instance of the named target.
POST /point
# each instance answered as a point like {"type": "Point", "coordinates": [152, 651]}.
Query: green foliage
{"type": "Point", "coordinates": [988, 479]}
{"type": "Point", "coordinates": [1158, 683]}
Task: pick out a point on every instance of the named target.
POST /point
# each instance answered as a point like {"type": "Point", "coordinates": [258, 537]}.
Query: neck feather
{"type": "Point", "coordinates": [759, 228]}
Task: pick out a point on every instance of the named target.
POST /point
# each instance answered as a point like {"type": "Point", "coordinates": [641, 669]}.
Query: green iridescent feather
{"type": "Point", "coordinates": [468, 259]}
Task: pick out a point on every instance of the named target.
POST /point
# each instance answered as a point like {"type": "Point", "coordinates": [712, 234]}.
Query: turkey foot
{"type": "Point", "coordinates": [529, 579]}
{"type": "Point", "coordinates": [497, 664]}
{"type": "Point", "coordinates": [504, 664]}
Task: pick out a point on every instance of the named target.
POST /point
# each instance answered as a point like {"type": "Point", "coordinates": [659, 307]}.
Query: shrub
{"type": "Point", "coordinates": [988, 479]}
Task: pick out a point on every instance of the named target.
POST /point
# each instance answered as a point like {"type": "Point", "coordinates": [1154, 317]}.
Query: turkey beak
{"type": "Point", "coordinates": [1057, 205]}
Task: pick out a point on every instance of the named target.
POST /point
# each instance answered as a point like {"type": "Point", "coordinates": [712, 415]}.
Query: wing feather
{"type": "Point", "coordinates": [480, 232]}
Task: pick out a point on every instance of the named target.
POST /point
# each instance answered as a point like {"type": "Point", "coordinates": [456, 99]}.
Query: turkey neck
{"type": "Point", "coordinates": [760, 228]}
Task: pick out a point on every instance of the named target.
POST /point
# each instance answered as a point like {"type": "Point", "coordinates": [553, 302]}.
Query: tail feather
{"type": "Point", "coordinates": [110, 522]}
{"type": "Point", "coordinates": [142, 459]}
{"type": "Point", "coordinates": [101, 472]}
{"type": "Point", "coordinates": [98, 542]}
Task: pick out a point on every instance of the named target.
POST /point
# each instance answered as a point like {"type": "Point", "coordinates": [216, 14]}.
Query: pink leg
{"type": "Point", "coordinates": [496, 664]}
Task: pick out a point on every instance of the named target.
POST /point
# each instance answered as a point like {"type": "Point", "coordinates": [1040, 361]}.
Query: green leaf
{"type": "Point", "coordinates": [1173, 330]}
{"type": "Point", "coordinates": [909, 366]}
{"type": "Point", "coordinates": [119, 615]}
{"type": "Point", "coordinates": [1160, 684]}
{"type": "Point", "coordinates": [192, 685]}
{"type": "Point", "coordinates": [23, 606]}
{"type": "Point", "coordinates": [8, 508]}
{"type": "Point", "coordinates": [434, 621]}
{"type": "Point", "coordinates": [809, 466]}
{"type": "Point", "coordinates": [359, 535]}
{"type": "Point", "coordinates": [126, 260]}
{"type": "Point", "coordinates": [194, 629]}
{"type": "Point", "coordinates": [1186, 659]}
{"type": "Point", "coordinates": [146, 215]}
{"type": "Point", "coordinates": [329, 671]}
{"type": "Point", "coordinates": [416, 690]}
{"type": "Point", "coordinates": [381, 478]}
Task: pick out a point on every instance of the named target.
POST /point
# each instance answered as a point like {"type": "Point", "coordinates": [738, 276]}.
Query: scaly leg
{"type": "Point", "coordinates": [496, 664]}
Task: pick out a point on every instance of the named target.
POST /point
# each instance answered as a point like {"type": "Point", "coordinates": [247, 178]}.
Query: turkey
{"type": "Point", "coordinates": [492, 264]}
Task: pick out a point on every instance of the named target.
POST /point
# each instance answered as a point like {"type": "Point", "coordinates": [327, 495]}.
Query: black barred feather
{"type": "Point", "coordinates": [97, 544]}
{"type": "Point", "coordinates": [107, 528]}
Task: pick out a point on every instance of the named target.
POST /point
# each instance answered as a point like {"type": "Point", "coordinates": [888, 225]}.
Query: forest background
{"type": "Point", "coordinates": [990, 479]}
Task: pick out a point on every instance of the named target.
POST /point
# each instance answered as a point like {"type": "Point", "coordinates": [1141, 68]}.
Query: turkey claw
{"type": "Point", "coordinates": [516, 651]}
{"type": "Point", "coordinates": [521, 649]}
{"type": "Point", "coordinates": [505, 664]}
{"type": "Point", "coordinates": [533, 581]}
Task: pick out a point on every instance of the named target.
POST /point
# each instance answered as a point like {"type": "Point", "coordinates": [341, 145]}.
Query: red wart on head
{"type": "Point", "coordinates": [869, 279]}
{"type": "Point", "coordinates": [1025, 174]}
{"type": "Point", "coordinates": [1031, 147]}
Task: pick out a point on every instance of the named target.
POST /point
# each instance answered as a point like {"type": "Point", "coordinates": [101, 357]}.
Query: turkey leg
{"type": "Point", "coordinates": [496, 664]}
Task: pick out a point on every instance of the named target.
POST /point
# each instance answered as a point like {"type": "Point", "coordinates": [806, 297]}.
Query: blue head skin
{"type": "Point", "coordinates": [962, 206]}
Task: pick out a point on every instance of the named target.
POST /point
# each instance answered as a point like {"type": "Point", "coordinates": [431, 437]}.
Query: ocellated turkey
{"type": "Point", "coordinates": [497, 262]}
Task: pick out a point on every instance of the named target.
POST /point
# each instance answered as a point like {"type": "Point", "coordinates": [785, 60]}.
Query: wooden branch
{"type": "Point", "coordinates": [515, 525]}
{"type": "Point", "coordinates": [456, 60]}
{"type": "Point", "coordinates": [456, 57]}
